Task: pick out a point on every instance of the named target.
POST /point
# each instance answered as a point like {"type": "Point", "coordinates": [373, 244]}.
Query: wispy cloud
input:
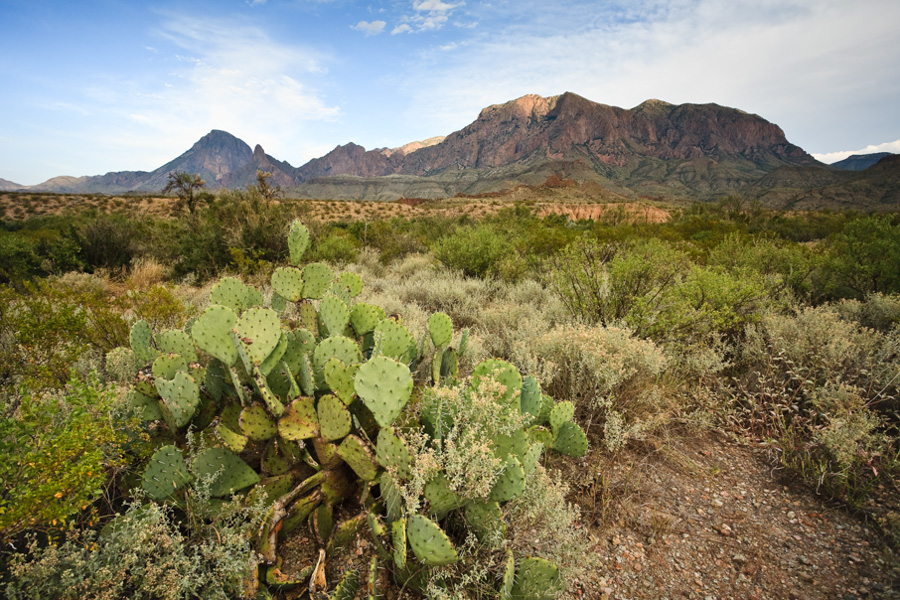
{"type": "Point", "coordinates": [833, 157]}
{"type": "Point", "coordinates": [227, 75]}
{"type": "Point", "coordinates": [427, 15]}
{"type": "Point", "coordinates": [373, 28]}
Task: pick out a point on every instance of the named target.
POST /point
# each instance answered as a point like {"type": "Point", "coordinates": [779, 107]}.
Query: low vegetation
{"type": "Point", "coordinates": [186, 397]}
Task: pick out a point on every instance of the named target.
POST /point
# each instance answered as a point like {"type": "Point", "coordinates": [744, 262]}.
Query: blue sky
{"type": "Point", "coordinates": [107, 85]}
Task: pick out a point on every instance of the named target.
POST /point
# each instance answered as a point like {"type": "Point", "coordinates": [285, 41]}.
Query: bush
{"type": "Point", "coordinates": [55, 450]}
{"type": "Point", "coordinates": [863, 258]}
{"type": "Point", "coordinates": [477, 251]}
{"type": "Point", "coordinates": [145, 554]}
{"type": "Point", "coordinates": [603, 283]}
{"type": "Point", "coordinates": [823, 389]}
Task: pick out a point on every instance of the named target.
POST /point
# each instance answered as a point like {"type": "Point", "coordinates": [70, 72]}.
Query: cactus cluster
{"type": "Point", "coordinates": [312, 411]}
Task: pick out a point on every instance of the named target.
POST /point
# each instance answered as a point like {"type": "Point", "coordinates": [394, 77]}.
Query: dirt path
{"type": "Point", "coordinates": [710, 520]}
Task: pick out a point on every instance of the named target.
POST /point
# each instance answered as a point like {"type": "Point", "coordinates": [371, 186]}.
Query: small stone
{"type": "Point", "coordinates": [739, 558]}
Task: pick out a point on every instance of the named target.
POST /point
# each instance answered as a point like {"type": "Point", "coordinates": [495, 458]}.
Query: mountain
{"type": "Point", "coordinates": [860, 162]}
{"type": "Point", "coordinates": [221, 159]}
{"type": "Point", "coordinates": [656, 149]}
{"type": "Point", "coordinates": [9, 186]}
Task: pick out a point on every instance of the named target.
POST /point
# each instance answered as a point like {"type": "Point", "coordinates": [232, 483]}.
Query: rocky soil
{"type": "Point", "coordinates": [711, 519]}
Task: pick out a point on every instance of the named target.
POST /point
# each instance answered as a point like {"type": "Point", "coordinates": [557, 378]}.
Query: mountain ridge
{"type": "Point", "coordinates": [691, 151]}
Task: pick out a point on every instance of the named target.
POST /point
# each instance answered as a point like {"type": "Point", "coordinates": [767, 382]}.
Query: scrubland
{"type": "Point", "coordinates": [774, 334]}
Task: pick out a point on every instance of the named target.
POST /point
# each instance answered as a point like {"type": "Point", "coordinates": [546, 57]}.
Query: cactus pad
{"type": "Point", "coordinates": [274, 462]}
{"type": "Point", "coordinates": [511, 482]}
{"type": "Point", "coordinates": [503, 372]}
{"type": "Point", "coordinates": [339, 378]}
{"type": "Point", "coordinates": [308, 316]}
{"type": "Point", "coordinates": [257, 424]}
{"type": "Point", "coordinates": [485, 519]}
{"type": "Point", "coordinates": [288, 283]}
{"type": "Point", "coordinates": [299, 421]}
{"type": "Point", "coordinates": [346, 589]}
{"type": "Point", "coordinates": [385, 386]}
{"type": "Point", "coordinates": [562, 412]}
{"type": "Point", "coordinates": [212, 333]}
{"type": "Point", "coordinates": [298, 241]}
{"type": "Point", "coordinates": [229, 473]}
{"type": "Point", "coordinates": [231, 292]}
{"type": "Point", "coordinates": [398, 537]}
{"type": "Point", "coordinates": [536, 579]}
{"type": "Point", "coordinates": [392, 452]}
{"type": "Point", "coordinates": [531, 396]}
{"type": "Point", "coordinates": [180, 399]}
{"type": "Point", "coordinates": [441, 498]}
{"type": "Point", "coordinates": [175, 341]}
{"type": "Point", "coordinates": [364, 317]}
{"type": "Point", "coordinates": [358, 455]}
{"type": "Point", "coordinates": [440, 326]}
{"type": "Point", "coordinates": [167, 365]}
{"type": "Point", "coordinates": [305, 378]}
{"type": "Point", "coordinates": [334, 315]}
{"type": "Point", "coordinates": [316, 280]}
{"type": "Point", "coordinates": [340, 347]}
{"type": "Point", "coordinates": [353, 283]}
{"type": "Point", "coordinates": [259, 333]}
{"type": "Point", "coordinates": [274, 359]}
{"type": "Point", "coordinates": [144, 407]}
{"type": "Point", "coordinates": [509, 576]}
{"type": "Point", "coordinates": [570, 440]}
{"type": "Point", "coordinates": [166, 473]}
{"type": "Point", "coordinates": [450, 363]}
{"type": "Point", "coordinates": [531, 457]}
{"type": "Point", "coordinates": [390, 493]}
{"type": "Point", "coordinates": [429, 542]}
{"type": "Point", "coordinates": [278, 303]}
{"type": "Point", "coordinates": [141, 339]}
{"type": "Point", "coordinates": [231, 438]}
{"type": "Point", "coordinates": [392, 339]}
{"type": "Point", "coordinates": [334, 418]}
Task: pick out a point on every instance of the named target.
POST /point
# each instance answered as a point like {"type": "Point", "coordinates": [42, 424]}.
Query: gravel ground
{"type": "Point", "coordinates": [709, 519]}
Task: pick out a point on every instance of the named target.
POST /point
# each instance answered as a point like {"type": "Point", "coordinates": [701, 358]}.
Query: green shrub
{"type": "Point", "coordinates": [863, 258]}
{"type": "Point", "coordinates": [823, 389]}
{"type": "Point", "coordinates": [602, 283]}
{"type": "Point", "coordinates": [477, 251]}
{"type": "Point", "coordinates": [108, 241]}
{"type": "Point", "coordinates": [708, 302]}
{"type": "Point", "coordinates": [52, 326]}
{"type": "Point", "coordinates": [55, 450]}
{"type": "Point", "coordinates": [147, 554]}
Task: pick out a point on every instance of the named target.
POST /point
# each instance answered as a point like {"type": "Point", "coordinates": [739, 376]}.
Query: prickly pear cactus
{"type": "Point", "coordinates": [305, 414]}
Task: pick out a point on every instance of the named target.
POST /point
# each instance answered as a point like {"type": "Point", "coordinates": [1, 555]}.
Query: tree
{"type": "Point", "coordinates": [268, 191]}
{"type": "Point", "coordinates": [188, 189]}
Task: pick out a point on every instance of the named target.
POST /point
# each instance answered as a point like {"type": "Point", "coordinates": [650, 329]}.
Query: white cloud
{"type": "Point", "coordinates": [833, 157]}
{"type": "Point", "coordinates": [428, 15]}
{"type": "Point", "coordinates": [434, 5]}
{"type": "Point", "coordinates": [373, 28]}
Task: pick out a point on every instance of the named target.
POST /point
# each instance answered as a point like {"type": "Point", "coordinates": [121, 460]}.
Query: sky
{"type": "Point", "coordinates": [95, 86]}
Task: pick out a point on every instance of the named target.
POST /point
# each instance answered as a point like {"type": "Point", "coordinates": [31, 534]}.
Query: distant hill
{"type": "Point", "coordinates": [860, 162]}
{"type": "Point", "coordinates": [9, 186]}
{"type": "Point", "coordinates": [657, 149]}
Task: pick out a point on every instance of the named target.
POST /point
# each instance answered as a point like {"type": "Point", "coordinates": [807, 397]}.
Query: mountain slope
{"type": "Point", "coordinates": [860, 162]}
